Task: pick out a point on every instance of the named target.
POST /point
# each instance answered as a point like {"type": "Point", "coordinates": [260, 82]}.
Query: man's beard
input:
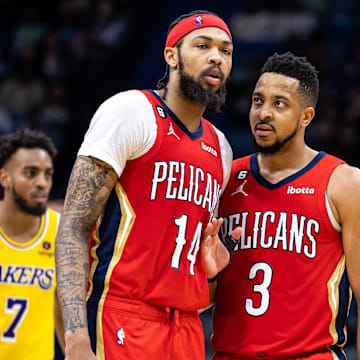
{"type": "Point", "coordinates": [36, 210]}
{"type": "Point", "coordinates": [195, 92]}
{"type": "Point", "coordinates": [277, 146]}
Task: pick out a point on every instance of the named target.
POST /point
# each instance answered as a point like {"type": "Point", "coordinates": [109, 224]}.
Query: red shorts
{"type": "Point", "coordinates": [135, 330]}
{"type": "Point", "coordinates": [326, 355]}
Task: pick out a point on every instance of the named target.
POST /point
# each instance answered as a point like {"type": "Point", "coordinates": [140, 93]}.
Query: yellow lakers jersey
{"type": "Point", "coordinates": [27, 293]}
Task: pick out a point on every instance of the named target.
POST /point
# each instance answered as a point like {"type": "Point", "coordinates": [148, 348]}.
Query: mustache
{"type": "Point", "coordinates": [39, 193]}
{"type": "Point", "coordinates": [261, 122]}
{"type": "Point", "coordinates": [213, 69]}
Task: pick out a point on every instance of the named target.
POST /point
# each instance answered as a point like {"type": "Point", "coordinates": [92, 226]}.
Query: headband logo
{"type": "Point", "coordinates": [198, 20]}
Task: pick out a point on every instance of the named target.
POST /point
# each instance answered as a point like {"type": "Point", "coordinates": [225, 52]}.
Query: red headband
{"type": "Point", "coordinates": [192, 23]}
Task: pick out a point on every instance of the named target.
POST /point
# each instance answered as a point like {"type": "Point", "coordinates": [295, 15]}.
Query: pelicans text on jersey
{"type": "Point", "coordinates": [285, 294]}
{"type": "Point", "coordinates": [147, 240]}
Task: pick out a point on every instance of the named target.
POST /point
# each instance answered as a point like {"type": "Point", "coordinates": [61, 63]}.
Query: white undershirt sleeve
{"type": "Point", "coordinates": [123, 128]}
{"type": "Point", "coordinates": [227, 157]}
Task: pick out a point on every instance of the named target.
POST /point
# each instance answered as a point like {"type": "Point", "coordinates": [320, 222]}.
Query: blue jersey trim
{"type": "Point", "coordinates": [256, 174]}
{"type": "Point", "coordinates": [344, 303]}
{"type": "Point", "coordinates": [91, 318]}
{"type": "Point", "coordinates": [339, 353]}
{"type": "Point", "coordinates": [192, 135]}
{"type": "Point", "coordinates": [107, 230]}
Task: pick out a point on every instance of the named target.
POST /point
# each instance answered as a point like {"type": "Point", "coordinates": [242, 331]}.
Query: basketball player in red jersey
{"type": "Point", "coordinates": [286, 293]}
{"type": "Point", "coordinates": [149, 174]}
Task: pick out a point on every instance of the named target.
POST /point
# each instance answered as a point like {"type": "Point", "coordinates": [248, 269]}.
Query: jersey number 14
{"type": "Point", "coordinates": [180, 240]}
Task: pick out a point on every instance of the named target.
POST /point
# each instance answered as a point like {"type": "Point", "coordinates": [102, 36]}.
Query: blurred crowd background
{"type": "Point", "coordinates": [60, 59]}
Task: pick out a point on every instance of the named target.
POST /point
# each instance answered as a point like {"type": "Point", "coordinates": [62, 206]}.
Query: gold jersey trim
{"type": "Point", "coordinates": [333, 293]}
{"type": "Point", "coordinates": [127, 220]}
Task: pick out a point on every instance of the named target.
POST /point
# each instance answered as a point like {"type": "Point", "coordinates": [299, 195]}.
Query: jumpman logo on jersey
{"type": "Point", "coordinates": [172, 132]}
{"type": "Point", "coordinates": [240, 189]}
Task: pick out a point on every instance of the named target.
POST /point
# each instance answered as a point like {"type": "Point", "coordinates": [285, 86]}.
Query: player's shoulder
{"type": "Point", "coordinates": [223, 141]}
{"type": "Point", "coordinates": [242, 162]}
{"type": "Point", "coordinates": [343, 190]}
{"type": "Point", "coordinates": [329, 159]}
{"type": "Point", "coordinates": [221, 136]}
{"type": "Point", "coordinates": [240, 169]}
{"type": "Point", "coordinates": [53, 215]}
{"type": "Point", "coordinates": [345, 177]}
{"type": "Point", "coordinates": [129, 100]}
{"type": "Point", "coordinates": [52, 211]}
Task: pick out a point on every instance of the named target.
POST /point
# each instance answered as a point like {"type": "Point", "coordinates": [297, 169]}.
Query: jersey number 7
{"type": "Point", "coordinates": [19, 306]}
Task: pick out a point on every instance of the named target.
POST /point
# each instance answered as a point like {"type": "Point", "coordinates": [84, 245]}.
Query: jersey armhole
{"type": "Point", "coordinates": [332, 219]}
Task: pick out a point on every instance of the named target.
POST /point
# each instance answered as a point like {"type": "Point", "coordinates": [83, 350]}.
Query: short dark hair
{"type": "Point", "coordinates": [162, 83]}
{"type": "Point", "coordinates": [298, 68]}
{"type": "Point", "coordinates": [26, 138]}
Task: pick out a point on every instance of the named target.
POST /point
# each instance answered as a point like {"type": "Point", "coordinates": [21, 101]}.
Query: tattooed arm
{"type": "Point", "coordinates": [90, 184]}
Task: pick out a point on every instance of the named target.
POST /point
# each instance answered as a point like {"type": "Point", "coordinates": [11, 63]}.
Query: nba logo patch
{"type": "Point", "coordinates": [198, 20]}
{"type": "Point", "coordinates": [120, 336]}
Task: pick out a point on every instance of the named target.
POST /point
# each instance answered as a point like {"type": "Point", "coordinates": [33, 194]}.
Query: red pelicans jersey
{"type": "Point", "coordinates": [147, 240]}
{"type": "Point", "coordinates": [286, 293]}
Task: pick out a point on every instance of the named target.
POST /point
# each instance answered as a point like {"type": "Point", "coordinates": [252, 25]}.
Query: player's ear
{"type": "Point", "coordinates": [171, 57]}
{"type": "Point", "coordinates": [4, 178]}
{"type": "Point", "coordinates": [308, 115]}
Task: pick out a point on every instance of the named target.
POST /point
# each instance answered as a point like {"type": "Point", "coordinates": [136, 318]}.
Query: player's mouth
{"type": "Point", "coordinates": [214, 76]}
{"type": "Point", "coordinates": [262, 129]}
{"type": "Point", "coordinates": [40, 197]}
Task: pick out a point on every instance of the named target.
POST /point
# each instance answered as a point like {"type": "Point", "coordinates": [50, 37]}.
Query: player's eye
{"type": "Point", "coordinates": [49, 174]}
{"type": "Point", "coordinates": [30, 173]}
{"type": "Point", "coordinates": [227, 51]}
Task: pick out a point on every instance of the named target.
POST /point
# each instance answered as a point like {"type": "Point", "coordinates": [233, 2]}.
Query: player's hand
{"type": "Point", "coordinates": [78, 346]}
{"type": "Point", "coordinates": [214, 253]}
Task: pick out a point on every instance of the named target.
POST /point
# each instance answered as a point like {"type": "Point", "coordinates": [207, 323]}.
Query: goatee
{"type": "Point", "coordinates": [195, 92]}
{"type": "Point", "coordinates": [276, 147]}
{"type": "Point", "coordinates": [36, 210]}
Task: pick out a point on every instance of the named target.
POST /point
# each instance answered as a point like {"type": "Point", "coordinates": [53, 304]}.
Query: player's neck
{"type": "Point", "coordinates": [16, 224]}
{"type": "Point", "coordinates": [279, 166]}
{"type": "Point", "coordinates": [188, 112]}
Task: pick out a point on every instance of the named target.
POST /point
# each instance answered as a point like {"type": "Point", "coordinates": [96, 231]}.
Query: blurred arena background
{"type": "Point", "coordinates": [60, 59]}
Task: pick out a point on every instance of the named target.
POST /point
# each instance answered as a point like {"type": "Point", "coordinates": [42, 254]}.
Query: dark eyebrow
{"type": "Point", "coordinates": [33, 167]}
{"type": "Point", "coordinates": [227, 42]}
{"type": "Point", "coordinates": [279, 97]}
{"type": "Point", "coordinates": [30, 167]}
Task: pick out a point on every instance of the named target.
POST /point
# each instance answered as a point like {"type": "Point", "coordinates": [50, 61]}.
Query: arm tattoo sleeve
{"type": "Point", "coordinates": [90, 184]}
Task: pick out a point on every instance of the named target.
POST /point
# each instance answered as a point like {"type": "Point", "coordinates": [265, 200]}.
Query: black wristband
{"type": "Point", "coordinates": [213, 279]}
{"type": "Point", "coordinates": [230, 244]}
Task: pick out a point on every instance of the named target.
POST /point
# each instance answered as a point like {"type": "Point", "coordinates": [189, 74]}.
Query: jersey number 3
{"type": "Point", "coordinates": [262, 289]}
